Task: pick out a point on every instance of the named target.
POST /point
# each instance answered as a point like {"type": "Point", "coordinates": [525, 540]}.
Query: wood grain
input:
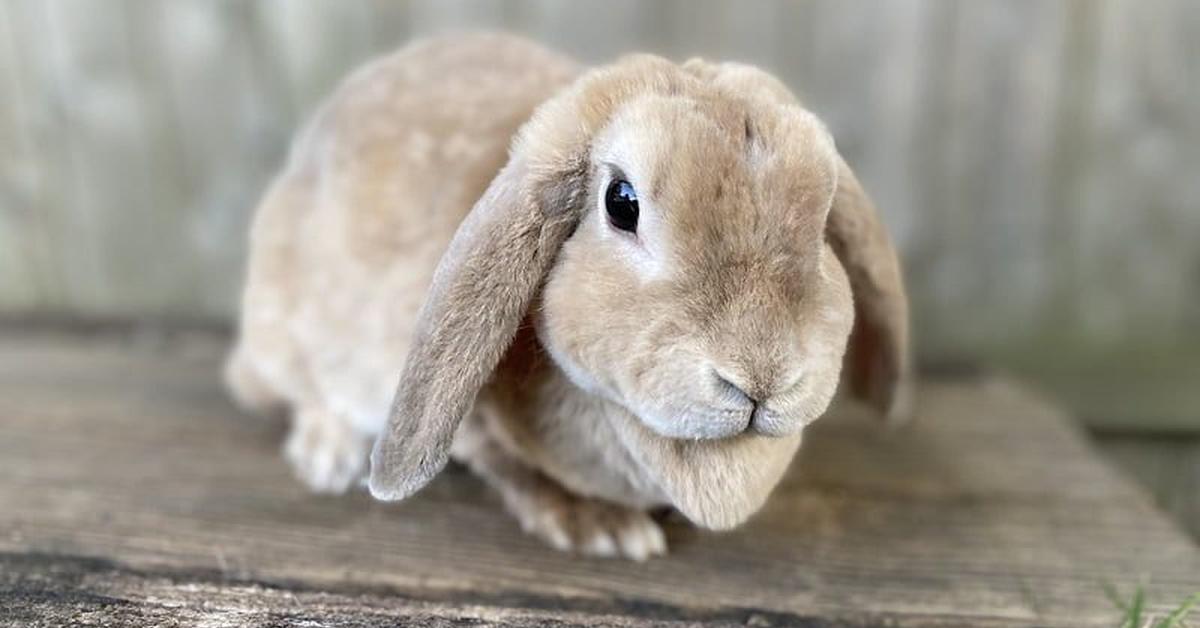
{"type": "Point", "coordinates": [133, 493]}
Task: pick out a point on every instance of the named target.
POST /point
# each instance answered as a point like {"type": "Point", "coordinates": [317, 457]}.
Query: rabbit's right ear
{"type": "Point", "coordinates": [482, 287]}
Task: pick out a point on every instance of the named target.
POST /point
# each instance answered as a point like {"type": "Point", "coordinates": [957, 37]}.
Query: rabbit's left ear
{"type": "Point", "coordinates": [480, 292]}
{"type": "Point", "coordinates": [878, 364]}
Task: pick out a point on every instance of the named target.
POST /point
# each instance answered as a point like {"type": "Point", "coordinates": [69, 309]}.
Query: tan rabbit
{"type": "Point", "coordinates": [604, 291]}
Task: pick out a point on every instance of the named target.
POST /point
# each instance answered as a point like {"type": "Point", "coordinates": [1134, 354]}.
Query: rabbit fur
{"type": "Point", "coordinates": [441, 224]}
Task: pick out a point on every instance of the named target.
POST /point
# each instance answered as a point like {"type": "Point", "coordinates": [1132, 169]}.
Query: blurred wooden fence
{"type": "Point", "coordinates": [1038, 161]}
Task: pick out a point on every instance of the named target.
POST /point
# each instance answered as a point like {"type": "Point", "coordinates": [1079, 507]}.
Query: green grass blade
{"type": "Point", "coordinates": [1133, 617]}
{"type": "Point", "coordinates": [1175, 619]}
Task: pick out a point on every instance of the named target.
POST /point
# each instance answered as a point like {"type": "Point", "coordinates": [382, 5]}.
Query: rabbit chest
{"type": "Point", "coordinates": [535, 412]}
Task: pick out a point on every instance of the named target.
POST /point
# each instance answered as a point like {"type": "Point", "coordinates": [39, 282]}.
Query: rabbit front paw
{"type": "Point", "coordinates": [591, 526]}
{"type": "Point", "coordinates": [326, 452]}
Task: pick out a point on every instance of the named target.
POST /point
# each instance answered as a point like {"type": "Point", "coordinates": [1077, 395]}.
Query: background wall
{"type": "Point", "coordinates": [1037, 161]}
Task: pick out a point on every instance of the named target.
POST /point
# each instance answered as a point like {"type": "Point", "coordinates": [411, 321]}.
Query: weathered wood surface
{"type": "Point", "coordinates": [133, 494]}
{"type": "Point", "coordinates": [1036, 160]}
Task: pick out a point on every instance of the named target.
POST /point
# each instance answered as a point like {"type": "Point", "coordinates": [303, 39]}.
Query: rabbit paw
{"type": "Point", "coordinates": [248, 389]}
{"type": "Point", "coordinates": [592, 527]}
{"type": "Point", "coordinates": [325, 452]}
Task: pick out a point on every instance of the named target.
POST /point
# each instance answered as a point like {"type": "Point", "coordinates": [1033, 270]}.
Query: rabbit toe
{"type": "Point", "coordinates": [327, 454]}
{"type": "Point", "coordinates": [596, 528]}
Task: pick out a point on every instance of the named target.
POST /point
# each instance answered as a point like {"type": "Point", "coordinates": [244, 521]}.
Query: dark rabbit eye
{"type": "Point", "coordinates": [621, 202]}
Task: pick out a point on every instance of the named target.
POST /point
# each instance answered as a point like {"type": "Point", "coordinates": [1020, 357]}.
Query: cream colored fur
{"type": "Point", "coordinates": [440, 224]}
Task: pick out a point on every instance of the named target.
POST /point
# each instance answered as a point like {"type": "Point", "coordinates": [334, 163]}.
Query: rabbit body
{"type": "Point", "coordinates": [346, 247]}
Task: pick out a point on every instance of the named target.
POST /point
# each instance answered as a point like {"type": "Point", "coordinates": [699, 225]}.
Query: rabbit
{"type": "Point", "coordinates": [605, 291]}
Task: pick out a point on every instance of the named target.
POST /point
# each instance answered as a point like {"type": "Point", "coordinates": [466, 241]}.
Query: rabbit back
{"type": "Point", "coordinates": [345, 242]}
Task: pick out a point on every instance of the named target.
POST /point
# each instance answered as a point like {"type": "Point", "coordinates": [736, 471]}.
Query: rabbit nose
{"type": "Point", "coordinates": [742, 391]}
{"type": "Point", "coordinates": [758, 390]}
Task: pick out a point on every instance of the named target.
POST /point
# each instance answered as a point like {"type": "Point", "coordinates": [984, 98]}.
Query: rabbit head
{"type": "Point", "coordinates": [690, 246]}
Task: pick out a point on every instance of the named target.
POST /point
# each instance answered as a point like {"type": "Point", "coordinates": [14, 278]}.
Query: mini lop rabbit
{"type": "Point", "coordinates": [603, 290]}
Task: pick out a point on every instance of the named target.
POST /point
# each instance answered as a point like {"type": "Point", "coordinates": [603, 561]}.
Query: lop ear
{"type": "Point", "coordinates": [878, 364]}
{"type": "Point", "coordinates": [480, 292]}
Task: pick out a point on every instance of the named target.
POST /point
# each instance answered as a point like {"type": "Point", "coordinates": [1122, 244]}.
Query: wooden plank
{"type": "Point", "coordinates": [92, 137]}
{"type": "Point", "coordinates": [34, 192]}
{"type": "Point", "coordinates": [42, 590]}
{"type": "Point", "coordinates": [991, 510]}
{"type": "Point", "coordinates": [21, 276]}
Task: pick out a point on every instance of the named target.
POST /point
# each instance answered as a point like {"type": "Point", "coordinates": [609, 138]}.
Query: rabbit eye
{"type": "Point", "coordinates": [622, 204]}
